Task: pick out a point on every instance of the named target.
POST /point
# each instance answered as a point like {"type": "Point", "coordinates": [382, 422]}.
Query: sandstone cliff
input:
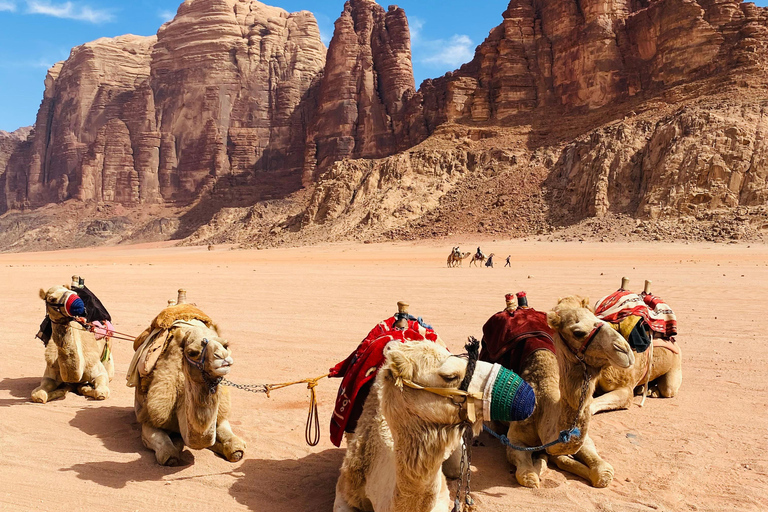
{"type": "Point", "coordinates": [367, 82]}
{"type": "Point", "coordinates": [570, 109]}
{"type": "Point", "coordinates": [218, 93]}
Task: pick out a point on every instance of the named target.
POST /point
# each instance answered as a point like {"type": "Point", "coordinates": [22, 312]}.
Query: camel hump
{"type": "Point", "coordinates": [185, 312]}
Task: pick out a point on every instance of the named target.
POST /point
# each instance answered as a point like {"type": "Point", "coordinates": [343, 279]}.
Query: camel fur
{"type": "Point", "coordinates": [456, 260]}
{"type": "Point", "coordinates": [394, 458]}
{"type": "Point", "coordinates": [176, 404]}
{"type": "Point", "coordinates": [73, 361]}
{"type": "Point", "coordinates": [620, 385]}
{"type": "Point", "coordinates": [557, 381]}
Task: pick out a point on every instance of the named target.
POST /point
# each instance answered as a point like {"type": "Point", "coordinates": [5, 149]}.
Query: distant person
{"type": "Point", "coordinates": [489, 263]}
{"type": "Point", "coordinates": [508, 264]}
{"type": "Point", "coordinates": [479, 254]}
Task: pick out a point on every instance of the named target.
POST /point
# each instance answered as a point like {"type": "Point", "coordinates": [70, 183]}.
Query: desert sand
{"type": "Point", "coordinates": [293, 313]}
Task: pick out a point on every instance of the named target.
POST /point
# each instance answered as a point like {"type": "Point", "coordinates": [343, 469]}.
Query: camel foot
{"type": "Point", "coordinates": [98, 393]}
{"type": "Point", "coordinates": [528, 479]}
{"type": "Point", "coordinates": [169, 458]}
{"type": "Point", "coordinates": [234, 450]}
{"type": "Point", "coordinates": [601, 476]}
{"type": "Point", "coordinates": [101, 394]}
{"type": "Point", "coordinates": [39, 396]}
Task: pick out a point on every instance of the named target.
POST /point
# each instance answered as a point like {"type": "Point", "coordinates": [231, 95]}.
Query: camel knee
{"type": "Point", "coordinates": [39, 395]}
{"type": "Point", "coordinates": [601, 475]}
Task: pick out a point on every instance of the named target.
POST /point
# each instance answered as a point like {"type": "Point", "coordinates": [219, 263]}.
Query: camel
{"type": "Point", "coordinates": [178, 399]}
{"type": "Point", "coordinates": [456, 259]}
{"type": "Point", "coordinates": [393, 460]}
{"type": "Point", "coordinates": [620, 385]}
{"type": "Point", "coordinates": [479, 257]}
{"type": "Point", "coordinates": [76, 359]}
{"type": "Point", "coordinates": [559, 383]}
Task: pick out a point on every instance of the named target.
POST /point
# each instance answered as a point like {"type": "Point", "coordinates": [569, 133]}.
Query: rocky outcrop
{"type": "Point", "coordinates": [704, 157]}
{"type": "Point", "coordinates": [219, 93]}
{"type": "Point", "coordinates": [587, 54]}
{"type": "Point", "coordinates": [10, 143]}
{"type": "Point", "coordinates": [367, 82]}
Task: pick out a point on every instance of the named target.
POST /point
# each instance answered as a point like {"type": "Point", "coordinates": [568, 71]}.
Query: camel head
{"type": "Point", "coordinates": [62, 304]}
{"type": "Point", "coordinates": [583, 333]}
{"type": "Point", "coordinates": [430, 365]}
{"type": "Point", "coordinates": [206, 355]}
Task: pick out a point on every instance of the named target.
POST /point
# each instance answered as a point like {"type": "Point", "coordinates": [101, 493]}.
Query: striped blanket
{"type": "Point", "coordinates": [656, 313]}
{"type": "Point", "coordinates": [359, 370]}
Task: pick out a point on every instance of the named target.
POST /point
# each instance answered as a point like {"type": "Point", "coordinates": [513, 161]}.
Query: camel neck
{"type": "Point", "coordinates": [70, 352]}
{"type": "Point", "coordinates": [201, 408]}
{"type": "Point", "coordinates": [572, 381]}
{"type": "Point", "coordinates": [418, 471]}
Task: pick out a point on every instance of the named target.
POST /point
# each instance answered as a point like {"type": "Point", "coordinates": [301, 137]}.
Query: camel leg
{"type": "Point", "coordinates": [100, 388]}
{"type": "Point", "coordinates": [166, 452]}
{"type": "Point", "coordinates": [48, 390]}
{"type": "Point", "coordinates": [228, 445]}
{"type": "Point", "coordinates": [669, 384]}
{"type": "Point", "coordinates": [617, 399]}
{"type": "Point", "coordinates": [599, 472]}
{"type": "Point", "coordinates": [340, 504]}
{"type": "Point", "coordinates": [528, 470]}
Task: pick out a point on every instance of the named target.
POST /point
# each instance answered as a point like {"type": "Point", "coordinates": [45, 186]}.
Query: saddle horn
{"type": "Point", "coordinates": [402, 315]}
{"type": "Point", "coordinates": [647, 289]}
{"type": "Point", "coordinates": [624, 284]}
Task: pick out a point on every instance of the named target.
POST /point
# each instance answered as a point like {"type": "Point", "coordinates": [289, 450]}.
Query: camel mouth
{"type": "Point", "coordinates": [221, 366]}
{"type": "Point", "coordinates": [624, 359]}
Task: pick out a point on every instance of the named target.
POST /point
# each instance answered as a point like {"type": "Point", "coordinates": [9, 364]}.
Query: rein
{"type": "Point", "coordinates": [211, 382]}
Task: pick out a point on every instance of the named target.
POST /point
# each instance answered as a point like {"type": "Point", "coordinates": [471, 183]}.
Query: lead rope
{"type": "Point", "coordinates": [465, 468]}
{"type": "Point", "coordinates": [312, 429]}
{"type": "Point", "coordinates": [648, 374]}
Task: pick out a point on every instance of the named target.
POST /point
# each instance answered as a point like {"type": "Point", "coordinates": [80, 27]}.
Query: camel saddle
{"type": "Point", "coordinates": [510, 337]}
{"type": "Point", "coordinates": [361, 367]}
{"type": "Point", "coordinates": [150, 344]}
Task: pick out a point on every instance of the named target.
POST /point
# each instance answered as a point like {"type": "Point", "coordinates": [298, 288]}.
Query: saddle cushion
{"type": "Point", "coordinates": [361, 367]}
{"type": "Point", "coordinates": [510, 337]}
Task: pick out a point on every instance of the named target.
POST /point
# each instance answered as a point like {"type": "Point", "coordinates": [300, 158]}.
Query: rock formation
{"type": "Point", "coordinates": [367, 82]}
{"type": "Point", "coordinates": [219, 93]}
{"type": "Point", "coordinates": [576, 108]}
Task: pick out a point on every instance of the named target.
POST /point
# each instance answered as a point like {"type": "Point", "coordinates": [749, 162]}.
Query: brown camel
{"type": "Point", "coordinates": [75, 359]}
{"type": "Point", "coordinates": [456, 260]}
{"type": "Point", "coordinates": [561, 382]}
{"type": "Point", "coordinates": [620, 385]}
{"type": "Point", "coordinates": [176, 370]}
{"type": "Point", "coordinates": [478, 257]}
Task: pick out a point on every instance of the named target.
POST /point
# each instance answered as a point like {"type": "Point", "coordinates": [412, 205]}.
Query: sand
{"type": "Point", "coordinates": [293, 313]}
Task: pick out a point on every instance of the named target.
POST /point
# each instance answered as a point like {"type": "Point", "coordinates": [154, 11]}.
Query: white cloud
{"type": "Point", "coordinates": [69, 10]}
{"type": "Point", "coordinates": [166, 15]}
{"type": "Point", "coordinates": [456, 51]}
{"type": "Point", "coordinates": [7, 6]}
{"type": "Point", "coordinates": [415, 24]}
{"type": "Point", "coordinates": [325, 24]}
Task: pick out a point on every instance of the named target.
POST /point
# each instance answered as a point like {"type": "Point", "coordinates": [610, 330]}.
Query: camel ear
{"type": "Point", "coordinates": [553, 319]}
{"type": "Point", "coordinates": [42, 294]}
{"type": "Point", "coordinates": [585, 302]}
{"type": "Point", "coordinates": [400, 367]}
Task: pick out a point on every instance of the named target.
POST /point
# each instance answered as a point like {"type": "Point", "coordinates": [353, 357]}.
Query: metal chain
{"type": "Point", "coordinates": [468, 501]}
{"type": "Point", "coordinates": [253, 388]}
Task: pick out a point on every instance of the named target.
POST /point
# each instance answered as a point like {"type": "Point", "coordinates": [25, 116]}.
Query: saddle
{"type": "Point", "coordinates": [150, 344]}
{"type": "Point", "coordinates": [510, 337]}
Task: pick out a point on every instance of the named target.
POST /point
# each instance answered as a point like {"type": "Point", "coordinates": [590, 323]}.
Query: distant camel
{"type": "Point", "coordinates": [479, 257]}
{"type": "Point", "coordinates": [455, 259]}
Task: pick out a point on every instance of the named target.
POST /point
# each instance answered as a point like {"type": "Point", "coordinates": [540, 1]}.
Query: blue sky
{"type": "Point", "coordinates": [34, 34]}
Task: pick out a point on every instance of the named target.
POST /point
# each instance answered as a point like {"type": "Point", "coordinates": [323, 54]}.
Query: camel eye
{"type": "Point", "coordinates": [450, 377]}
{"type": "Point", "coordinates": [193, 353]}
{"type": "Point", "coordinates": [579, 334]}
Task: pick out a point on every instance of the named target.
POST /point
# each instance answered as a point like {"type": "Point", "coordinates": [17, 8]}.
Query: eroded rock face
{"type": "Point", "coordinates": [586, 54]}
{"type": "Point", "coordinates": [704, 157]}
{"type": "Point", "coordinates": [367, 81]}
{"type": "Point", "coordinates": [219, 92]}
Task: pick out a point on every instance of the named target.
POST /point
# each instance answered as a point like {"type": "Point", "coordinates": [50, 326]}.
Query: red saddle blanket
{"type": "Point", "coordinates": [510, 337]}
{"type": "Point", "coordinates": [656, 313]}
{"type": "Point", "coordinates": [360, 368]}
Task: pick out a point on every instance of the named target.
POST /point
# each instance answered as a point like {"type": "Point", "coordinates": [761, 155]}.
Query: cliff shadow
{"type": "Point", "coordinates": [238, 191]}
{"type": "Point", "coordinates": [119, 432]}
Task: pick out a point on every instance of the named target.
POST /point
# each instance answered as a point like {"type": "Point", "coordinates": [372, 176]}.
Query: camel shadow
{"type": "Point", "coordinates": [494, 471]}
{"type": "Point", "coordinates": [20, 388]}
{"type": "Point", "coordinates": [119, 432]}
{"type": "Point", "coordinates": [289, 485]}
